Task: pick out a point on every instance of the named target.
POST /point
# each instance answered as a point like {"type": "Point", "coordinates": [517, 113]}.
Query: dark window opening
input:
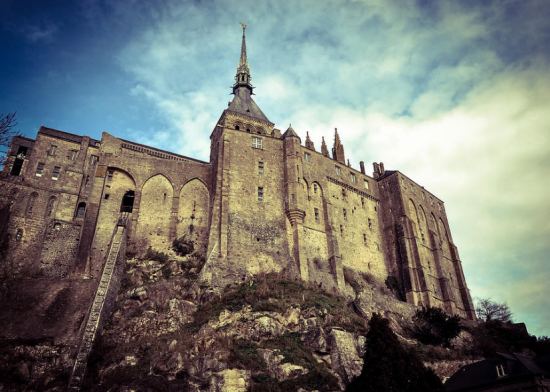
{"type": "Point", "coordinates": [237, 127]}
{"type": "Point", "coordinates": [127, 204]}
{"type": "Point", "coordinates": [106, 197]}
{"type": "Point", "coordinates": [80, 210]}
{"type": "Point", "coordinates": [19, 235]}
{"type": "Point", "coordinates": [17, 166]}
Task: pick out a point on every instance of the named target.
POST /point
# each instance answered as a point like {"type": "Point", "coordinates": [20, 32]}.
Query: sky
{"type": "Point", "coordinates": [455, 94]}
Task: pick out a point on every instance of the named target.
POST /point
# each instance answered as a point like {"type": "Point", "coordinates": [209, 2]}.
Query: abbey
{"type": "Point", "coordinates": [265, 202]}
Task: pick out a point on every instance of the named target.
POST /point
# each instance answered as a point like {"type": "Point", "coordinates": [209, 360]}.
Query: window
{"type": "Point", "coordinates": [52, 149]}
{"type": "Point", "coordinates": [307, 157]}
{"type": "Point", "coordinates": [39, 169]}
{"type": "Point", "coordinates": [93, 160]}
{"type": "Point", "coordinates": [345, 214]}
{"type": "Point", "coordinates": [344, 194]}
{"type": "Point", "coordinates": [364, 239]}
{"type": "Point", "coordinates": [314, 188]}
{"type": "Point", "coordinates": [260, 167]}
{"type": "Point", "coordinates": [30, 203]}
{"type": "Point", "coordinates": [370, 223]}
{"type": "Point", "coordinates": [260, 193]}
{"type": "Point", "coordinates": [341, 230]}
{"type": "Point", "coordinates": [110, 173]}
{"type": "Point", "coordinates": [73, 154]}
{"type": "Point", "coordinates": [353, 178]}
{"type": "Point", "coordinates": [316, 211]}
{"type": "Point", "coordinates": [80, 210]}
{"type": "Point", "coordinates": [19, 160]}
{"type": "Point", "coordinates": [19, 235]}
{"type": "Point", "coordinates": [237, 127]}
{"type": "Point", "coordinates": [257, 142]}
{"type": "Point", "coordinates": [500, 370]}
{"type": "Point", "coordinates": [366, 184]}
{"type": "Point", "coordinates": [363, 202]}
{"type": "Point", "coordinates": [55, 173]}
{"type": "Point", "coordinates": [127, 204]}
{"type": "Point", "coordinates": [338, 170]}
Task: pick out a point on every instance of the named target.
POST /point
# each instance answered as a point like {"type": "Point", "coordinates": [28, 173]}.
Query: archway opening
{"type": "Point", "coordinates": [80, 210]}
{"type": "Point", "coordinates": [127, 204]}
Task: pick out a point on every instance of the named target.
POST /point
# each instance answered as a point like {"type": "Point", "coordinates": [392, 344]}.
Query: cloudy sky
{"type": "Point", "coordinates": [456, 95]}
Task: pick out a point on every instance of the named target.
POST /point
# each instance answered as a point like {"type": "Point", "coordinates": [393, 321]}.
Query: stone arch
{"type": "Point", "coordinates": [50, 207]}
{"type": "Point", "coordinates": [155, 211]}
{"type": "Point", "coordinates": [413, 214]}
{"type": "Point", "coordinates": [193, 212]}
{"type": "Point", "coordinates": [31, 204]}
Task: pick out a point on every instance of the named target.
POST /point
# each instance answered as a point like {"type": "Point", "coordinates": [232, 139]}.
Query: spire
{"type": "Point", "coordinates": [338, 149]}
{"type": "Point", "coordinates": [242, 78]}
{"type": "Point", "coordinates": [324, 149]}
{"type": "Point", "coordinates": [309, 142]}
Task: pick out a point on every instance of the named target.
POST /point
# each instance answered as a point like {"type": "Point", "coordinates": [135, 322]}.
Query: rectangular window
{"type": "Point", "coordinates": [307, 157]}
{"type": "Point", "coordinates": [39, 169]}
{"type": "Point", "coordinates": [364, 239]}
{"type": "Point", "coordinates": [93, 160]}
{"type": "Point", "coordinates": [260, 193]}
{"type": "Point", "coordinates": [73, 154]}
{"type": "Point", "coordinates": [353, 178]}
{"type": "Point", "coordinates": [338, 170]}
{"type": "Point", "coordinates": [345, 214]}
{"type": "Point", "coordinates": [370, 223]}
{"type": "Point", "coordinates": [52, 149]}
{"type": "Point", "coordinates": [55, 173]}
{"type": "Point", "coordinates": [341, 230]}
{"type": "Point", "coordinates": [366, 184]}
{"type": "Point", "coordinates": [257, 142]}
{"type": "Point", "coordinates": [316, 211]}
{"type": "Point", "coordinates": [260, 168]}
{"type": "Point", "coordinates": [363, 202]}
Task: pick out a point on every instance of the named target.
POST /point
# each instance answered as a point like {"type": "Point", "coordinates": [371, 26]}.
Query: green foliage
{"type": "Point", "coordinates": [393, 285]}
{"type": "Point", "coordinates": [389, 367]}
{"type": "Point", "coordinates": [155, 255]}
{"type": "Point", "coordinates": [183, 246]}
{"type": "Point", "coordinates": [495, 336]}
{"type": "Point", "coordinates": [270, 292]}
{"type": "Point", "coordinates": [434, 326]}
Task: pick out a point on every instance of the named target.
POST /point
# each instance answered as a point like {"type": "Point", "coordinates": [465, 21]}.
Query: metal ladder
{"type": "Point", "coordinates": [96, 311]}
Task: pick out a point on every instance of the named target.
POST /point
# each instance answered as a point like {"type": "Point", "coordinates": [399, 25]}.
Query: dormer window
{"type": "Point", "coordinates": [353, 178]}
{"type": "Point", "coordinates": [338, 171]}
{"type": "Point", "coordinates": [257, 142]}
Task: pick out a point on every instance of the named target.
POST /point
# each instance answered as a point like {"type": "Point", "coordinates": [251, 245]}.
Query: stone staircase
{"type": "Point", "coordinates": [102, 304]}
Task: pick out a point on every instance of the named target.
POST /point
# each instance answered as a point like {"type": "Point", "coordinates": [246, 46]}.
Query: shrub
{"type": "Point", "coordinates": [388, 366]}
{"type": "Point", "coordinates": [155, 255]}
{"type": "Point", "coordinates": [434, 326]}
{"type": "Point", "coordinates": [393, 285]}
{"type": "Point", "coordinates": [183, 246]}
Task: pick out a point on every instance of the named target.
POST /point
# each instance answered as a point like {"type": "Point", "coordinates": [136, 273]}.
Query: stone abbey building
{"type": "Point", "coordinates": [264, 202]}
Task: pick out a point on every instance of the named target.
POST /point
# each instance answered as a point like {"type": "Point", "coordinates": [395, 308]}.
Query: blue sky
{"type": "Point", "coordinates": [454, 94]}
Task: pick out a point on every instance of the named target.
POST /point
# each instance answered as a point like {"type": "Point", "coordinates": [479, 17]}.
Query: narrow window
{"type": "Point", "coordinates": [353, 178]}
{"type": "Point", "coordinates": [370, 223]}
{"type": "Point", "coordinates": [55, 173]}
{"type": "Point", "coordinates": [364, 239]}
{"type": "Point", "coordinates": [363, 202]}
{"type": "Point", "coordinates": [73, 154]}
{"type": "Point", "coordinates": [93, 160]}
{"type": "Point", "coordinates": [39, 169]}
{"type": "Point", "coordinates": [341, 230]}
{"type": "Point", "coordinates": [110, 173]}
{"type": "Point", "coordinates": [366, 184]}
{"type": "Point", "coordinates": [80, 210]}
{"type": "Point", "coordinates": [345, 214]}
{"type": "Point", "coordinates": [52, 149]}
{"type": "Point", "coordinates": [19, 235]}
{"type": "Point", "coordinates": [316, 211]}
{"type": "Point", "coordinates": [344, 194]}
{"type": "Point", "coordinates": [19, 160]}
{"type": "Point", "coordinates": [256, 142]}
{"type": "Point", "coordinates": [307, 156]}
{"type": "Point", "coordinates": [260, 167]}
{"type": "Point", "coordinates": [338, 170]}
{"type": "Point", "coordinates": [314, 188]}
{"type": "Point", "coordinates": [260, 193]}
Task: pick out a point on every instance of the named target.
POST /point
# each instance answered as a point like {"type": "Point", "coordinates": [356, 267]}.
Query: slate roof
{"type": "Point", "coordinates": [243, 103]}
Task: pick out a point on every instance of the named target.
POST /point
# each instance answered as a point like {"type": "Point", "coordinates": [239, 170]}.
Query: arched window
{"type": "Point", "coordinates": [31, 202]}
{"type": "Point", "coordinates": [80, 210]}
{"type": "Point", "coordinates": [50, 208]}
{"type": "Point", "coordinates": [127, 204]}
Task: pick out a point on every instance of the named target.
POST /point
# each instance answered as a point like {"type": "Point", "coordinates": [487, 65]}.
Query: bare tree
{"type": "Point", "coordinates": [489, 310]}
{"type": "Point", "coordinates": [7, 132]}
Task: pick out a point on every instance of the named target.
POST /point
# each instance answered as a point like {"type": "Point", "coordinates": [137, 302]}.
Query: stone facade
{"type": "Point", "coordinates": [264, 202]}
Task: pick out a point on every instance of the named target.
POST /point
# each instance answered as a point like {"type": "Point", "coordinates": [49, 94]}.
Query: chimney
{"type": "Point", "coordinates": [382, 170]}
{"type": "Point", "coordinates": [362, 166]}
{"type": "Point", "coordinates": [376, 170]}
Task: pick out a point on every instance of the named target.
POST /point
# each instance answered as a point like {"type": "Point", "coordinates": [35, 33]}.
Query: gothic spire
{"type": "Point", "coordinates": [324, 149]}
{"type": "Point", "coordinates": [242, 78]}
{"type": "Point", "coordinates": [338, 149]}
{"type": "Point", "coordinates": [309, 142]}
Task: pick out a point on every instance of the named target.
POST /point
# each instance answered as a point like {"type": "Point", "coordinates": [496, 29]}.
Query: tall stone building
{"type": "Point", "coordinates": [264, 202]}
